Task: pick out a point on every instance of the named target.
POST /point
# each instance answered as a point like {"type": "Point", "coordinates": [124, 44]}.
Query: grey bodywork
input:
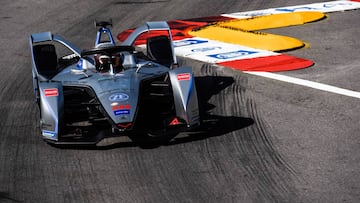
{"type": "Point", "coordinates": [117, 96]}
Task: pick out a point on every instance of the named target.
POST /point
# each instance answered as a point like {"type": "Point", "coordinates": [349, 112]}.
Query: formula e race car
{"type": "Point", "coordinates": [111, 90]}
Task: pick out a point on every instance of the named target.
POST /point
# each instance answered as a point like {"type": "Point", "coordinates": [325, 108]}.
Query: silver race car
{"type": "Point", "coordinates": [85, 96]}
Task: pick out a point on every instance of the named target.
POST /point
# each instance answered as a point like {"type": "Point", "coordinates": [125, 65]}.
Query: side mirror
{"type": "Point", "coordinates": [81, 68]}
{"type": "Point", "coordinates": [159, 50]}
{"type": "Point", "coordinates": [46, 60]}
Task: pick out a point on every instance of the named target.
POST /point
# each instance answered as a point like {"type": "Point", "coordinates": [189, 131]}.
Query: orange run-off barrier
{"type": "Point", "coordinates": [243, 31]}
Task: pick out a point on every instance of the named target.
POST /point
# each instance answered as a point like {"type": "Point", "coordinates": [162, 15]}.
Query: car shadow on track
{"type": "Point", "coordinates": [211, 125]}
{"type": "Point", "coordinates": [4, 196]}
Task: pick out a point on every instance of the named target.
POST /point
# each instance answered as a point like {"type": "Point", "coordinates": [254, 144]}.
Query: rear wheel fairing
{"type": "Point", "coordinates": [185, 95]}
{"type": "Point", "coordinates": [51, 109]}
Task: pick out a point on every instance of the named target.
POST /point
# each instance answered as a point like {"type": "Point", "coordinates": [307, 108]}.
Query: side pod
{"type": "Point", "coordinates": [51, 109]}
{"type": "Point", "coordinates": [185, 96]}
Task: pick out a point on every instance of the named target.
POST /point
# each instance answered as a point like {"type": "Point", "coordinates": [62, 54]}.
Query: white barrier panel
{"type": "Point", "coordinates": [325, 7]}
{"type": "Point", "coordinates": [216, 52]}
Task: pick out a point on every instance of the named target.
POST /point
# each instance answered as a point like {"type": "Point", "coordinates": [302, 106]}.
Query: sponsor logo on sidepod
{"type": "Point", "coordinates": [233, 54]}
{"type": "Point", "coordinates": [122, 112]}
{"type": "Point", "coordinates": [183, 76]}
{"type": "Point", "coordinates": [51, 92]}
{"type": "Point", "coordinates": [118, 97]}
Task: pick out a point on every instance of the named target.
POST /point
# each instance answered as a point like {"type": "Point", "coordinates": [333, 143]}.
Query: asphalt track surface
{"type": "Point", "coordinates": [262, 140]}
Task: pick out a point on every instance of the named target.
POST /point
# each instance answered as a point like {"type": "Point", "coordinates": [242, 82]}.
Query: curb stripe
{"type": "Point", "coordinates": [269, 63]}
{"type": "Point", "coordinates": [307, 83]}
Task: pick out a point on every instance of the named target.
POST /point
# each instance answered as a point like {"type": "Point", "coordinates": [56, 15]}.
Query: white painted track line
{"type": "Point", "coordinates": [307, 83]}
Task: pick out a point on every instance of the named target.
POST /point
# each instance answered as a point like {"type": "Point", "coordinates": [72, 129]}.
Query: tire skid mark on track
{"type": "Point", "coordinates": [269, 158]}
{"type": "Point", "coordinates": [263, 165]}
{"type": "Point", "coordinates": [266, 175]}
{"type": "Point", "coordinates": [15, 166]}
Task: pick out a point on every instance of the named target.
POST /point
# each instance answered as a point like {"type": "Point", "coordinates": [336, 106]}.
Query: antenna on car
{"type": "Point", "coordinates": [104, 30]}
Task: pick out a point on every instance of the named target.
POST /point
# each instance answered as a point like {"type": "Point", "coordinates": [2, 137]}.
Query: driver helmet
{"type": "Point", "coordinates": [103, 61]}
